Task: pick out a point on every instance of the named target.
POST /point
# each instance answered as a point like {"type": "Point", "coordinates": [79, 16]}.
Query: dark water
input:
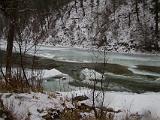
{"type": "Point", "coordinates": [123, 72]}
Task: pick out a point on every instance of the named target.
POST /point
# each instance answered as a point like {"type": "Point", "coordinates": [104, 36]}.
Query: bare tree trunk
{"type": "Point", "coordinates": [129, 19]}
{"type": "Point", "coordinates": [75, 3]}
{"type": "Point", "coordinates": [156, 24]}
{"type": "Point", "coordinates": [102, 79]}
{"type": "Point", "coordinates": [144, 4]}
{"type": "Point", "coordinates": [137, 11]}
{"type": "Point", "coordinates": [114, 6]}
{"type": "Point", "coordinates": [156, 16]}
{"type": "Point", "coordinates": [93, 99]}
{"type": "Point", "coordinates": [10, 38]}
{"type": "Point", "coordinates": [22, 65]}
{"type": "Point", "coordinates": [92, 5]}
{"type": "Point", "coordinates": [82, 6]}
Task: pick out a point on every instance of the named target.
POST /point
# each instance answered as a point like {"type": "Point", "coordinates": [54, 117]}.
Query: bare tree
{"type": "Point", "coordinates": [82, 6]}
{"type": "Point", "coordinates": [157, 10]}
{"type": "Point", "coordinates": [19, 14]}
{"type": "Point", "coordinates": [137, 10]}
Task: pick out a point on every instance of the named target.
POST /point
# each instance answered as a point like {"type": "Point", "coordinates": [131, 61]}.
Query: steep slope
{"type": "Point", "coordinates": [114, 25]}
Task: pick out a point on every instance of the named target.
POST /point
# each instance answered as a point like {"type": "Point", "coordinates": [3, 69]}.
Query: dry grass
{"type": "Point", "coordinates": [19, 85]}
{"type": "Point", "coordinates": [76, 114]}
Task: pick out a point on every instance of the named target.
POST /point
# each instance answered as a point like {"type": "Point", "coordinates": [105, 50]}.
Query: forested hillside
{"type": "Point", "coordinates": [45, 74]}
{"type": "Point", "coordinates": [118, 25]}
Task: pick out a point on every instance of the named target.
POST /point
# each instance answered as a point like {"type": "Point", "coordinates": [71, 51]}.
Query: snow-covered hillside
{"type": "Point", "coordinates": [99, 23]}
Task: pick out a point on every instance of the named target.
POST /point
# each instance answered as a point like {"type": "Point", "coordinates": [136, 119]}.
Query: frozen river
{"type": "Point", "coordinates": [125, 72]}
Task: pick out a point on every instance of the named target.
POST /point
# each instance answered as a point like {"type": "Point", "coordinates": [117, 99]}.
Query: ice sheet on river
{"type": "Point", "coordinates": [83, 55]}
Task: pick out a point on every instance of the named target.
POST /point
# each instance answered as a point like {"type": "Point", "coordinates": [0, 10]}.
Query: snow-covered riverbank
{"type": "Point", "coordinates": [125, 101]}
{"type": "Point", "coordinates": [36, 105]}
{"type": "Point", "coordinates": [81, 55]}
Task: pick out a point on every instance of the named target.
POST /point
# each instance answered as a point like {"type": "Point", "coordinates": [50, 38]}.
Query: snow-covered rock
{"type": "Point", "coordinates": [87, 74]}
{"type": "Point", "coordinates": [52, 73]}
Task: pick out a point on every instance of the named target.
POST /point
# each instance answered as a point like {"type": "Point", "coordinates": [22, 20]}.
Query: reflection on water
{"type": "Point", "coordinates": [58, 84]}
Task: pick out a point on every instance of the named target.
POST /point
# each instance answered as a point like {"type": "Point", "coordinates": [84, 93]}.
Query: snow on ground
{"type": "Point", "coordinates": [36, 105]}
{"type": "Point", "coordinates": [52, 73]}
{"type": "Point", "coordinates": [46, 73]}
{"type": "Point", "coordinates": [127, 102]}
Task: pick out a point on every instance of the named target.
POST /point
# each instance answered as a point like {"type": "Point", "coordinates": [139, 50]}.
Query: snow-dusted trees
{"type": "Point", "coordinates": [156, 12]}
{"type": "Point", "coordinates": [9, 9]}
{"type": "Point", "coordinates": [151, 30]}
{"type": "Point", "coordinates": [24, 20]}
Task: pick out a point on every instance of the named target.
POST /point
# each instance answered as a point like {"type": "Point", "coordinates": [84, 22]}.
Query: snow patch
{"type": "Point", "coordinates": [52, 73]}
{"type": "Point", "coordinates": [88, 74]}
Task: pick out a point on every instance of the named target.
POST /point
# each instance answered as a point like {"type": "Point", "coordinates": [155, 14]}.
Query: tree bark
{"type": "Point", "coordinates": [156, 17]}
{"type": "Point", "coordinates": [137, 10]}
{"type": "Point", "coordinates": [129, 19]}
{"type": "Point", "coordinates": [156, 24]}
{"type": "Point", "coordinates": [10, 39]}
